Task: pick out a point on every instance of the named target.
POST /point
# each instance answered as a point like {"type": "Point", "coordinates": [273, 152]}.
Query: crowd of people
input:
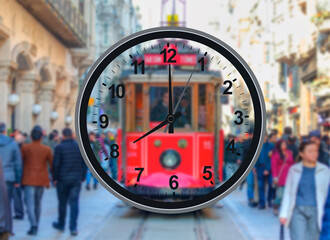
{"type": "Point", "coordinates": [31, 163]}
{"type": "Point", "coordinates": [292, 177]}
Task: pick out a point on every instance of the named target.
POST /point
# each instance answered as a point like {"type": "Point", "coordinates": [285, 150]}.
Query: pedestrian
{"type": "Point", "coordinates": [230, 159]}
{"type": "Point", "coordinates": [323, 157]}
{"type": "Point", "coordinates": [36, 159]}
{"type": "Point", "coordinates": [252, 177]}
{"type": "Point", "coordinates": [6, 222]}
{"type": "Point", "coordinates": [69, 170]}
{"type": "Point", "coordinates": [287, 133]}
{"type": "Point", "coordinates": [113, 166]}
{"type": "Point", "coordinates": [292, 146]}
{"type": "Point", "coordinates": [263, 167]}
{"type": "Point", "coordinates": [96, 147]}
{"type": "Point", "coordinates": [11, 161]}
{"type": "Point", "coordinates": [17, 191]}
{"type": "Point", "coordinates": [281, 161]}
{"type": "Point", "coordinates": [53, 139]}
{"type": "Point", "coordinates": [305, 194]}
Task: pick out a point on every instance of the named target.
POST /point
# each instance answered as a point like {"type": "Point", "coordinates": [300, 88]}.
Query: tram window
{"type": "Point", "coordinates": [138, 108]}
{"type": "Point", "coordinates": [202, 107]}
{"type": "Point", "coordinates": [159, 105]}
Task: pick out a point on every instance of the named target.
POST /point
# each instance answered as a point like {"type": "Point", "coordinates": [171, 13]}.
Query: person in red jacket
{"type": "Point", "coordinates": [281, 161]}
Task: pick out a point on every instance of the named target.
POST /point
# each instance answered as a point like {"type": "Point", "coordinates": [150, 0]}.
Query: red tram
{"type": "Point", "coordinates": [197, 142]}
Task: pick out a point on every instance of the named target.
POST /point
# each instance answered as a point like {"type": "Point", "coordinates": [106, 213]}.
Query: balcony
{"type": "Point", "coordinates": [285, 49]}
{"type": "Point", "coordinates": [61, 18]}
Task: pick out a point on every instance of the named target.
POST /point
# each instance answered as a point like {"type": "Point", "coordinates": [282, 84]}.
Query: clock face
{"type": "Point", "coordinates": [170, 120]}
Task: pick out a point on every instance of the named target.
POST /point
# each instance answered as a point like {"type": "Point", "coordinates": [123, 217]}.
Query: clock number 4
{"type": "Point", "coordinates": [231, 146]}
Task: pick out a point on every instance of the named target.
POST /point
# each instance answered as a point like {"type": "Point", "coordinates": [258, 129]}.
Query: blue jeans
{"type": "Point", "coordinates": [68, 192]}
{"type": "Point", "coordinates": [32, 197]}
{"type": "Point", "coordinates": [113, 168]}
{"type": "Point", "coordinates": [18, 202]}
{"type": "Point", "coordinates": [89, 177]}
{"type": "Point", "coordinates": [303, 225]}
{"type": "Point", "coordinates": [262, 180]}
{"type": "Point", "coordinates": [250, 186]}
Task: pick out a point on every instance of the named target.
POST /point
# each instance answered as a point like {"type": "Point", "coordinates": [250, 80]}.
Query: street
{"type": "Point", "coordinates": [102, 216]}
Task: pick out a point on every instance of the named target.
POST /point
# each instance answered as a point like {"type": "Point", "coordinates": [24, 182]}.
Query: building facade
{"type": "Point", "coordinates": [45, 46]}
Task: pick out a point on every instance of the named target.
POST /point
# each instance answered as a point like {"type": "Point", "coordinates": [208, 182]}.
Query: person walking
{"type": "Point", "coordinates": [323, 157]}
{"type": "Point", "coordinates": [6, 222]}
{"type": "Point", "coordinates": [36, 159]}
{"type": "Point", "coordinates": [305, 194]}
{"type": "Point", "coordinates": [11, 161]}
{"type": "Point", "coordinates": [263, 167]}
{"type": "Point", "coordinates": [281, 161]}
{"type": "Point", "coordinates": [96, 147]}
{"type": "Point", "coordinates": [292, 146]}
{"type": "Point", "coordinates": [69, 170]}
{"type": "Point", "coordinates": [18, 191]}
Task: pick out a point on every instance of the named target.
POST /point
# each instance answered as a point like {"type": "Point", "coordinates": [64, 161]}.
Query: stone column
{"type": "Point", "coordinates": [5, 73]}
{"type": "Point", "coordinates": [26, 87]}
{"type": "Point", "coordinates": [46, 101]}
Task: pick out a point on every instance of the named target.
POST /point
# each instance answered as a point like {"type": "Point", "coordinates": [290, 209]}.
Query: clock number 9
{"type": "Point", "coordinates": [104, 120]}
{"type": "Point", "coordinates": [173, 183]}
{"type": "Point", "coordinates": [240, 118]}
{"type": "Point", "coordinates": [206, 171]}
{"type": "Point", "coordinates": [170, 59]}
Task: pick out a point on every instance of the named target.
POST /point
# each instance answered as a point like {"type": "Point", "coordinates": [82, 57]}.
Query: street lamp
{"type": "Point", "coordinates": [68, 119]}
{"type": "Point", "coordinates": [36, 109]}
{"type": "Point", "coordinates": [53, 115]}
{"type": "Point", "coordinates": [13, 100]}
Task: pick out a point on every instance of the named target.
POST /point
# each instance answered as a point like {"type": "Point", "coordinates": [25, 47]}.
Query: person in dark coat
{"type": "Point", "coordinates": [292, 146]}
{"type": "Point", "coordinates": [263, 167]}
{"type": "Point", "coordinates": [6, 223]}
{"type": "Point", "coordinates": [11, 161]}
{"type": "Point", "coordinates": [69, 170]}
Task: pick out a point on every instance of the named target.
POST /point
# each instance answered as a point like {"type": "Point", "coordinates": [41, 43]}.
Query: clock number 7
{"type": "Point", "coordinates": [139, 175]}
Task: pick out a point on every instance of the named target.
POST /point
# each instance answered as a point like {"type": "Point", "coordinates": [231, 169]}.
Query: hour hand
{"type": "Point", "coordinates": [169, 119]}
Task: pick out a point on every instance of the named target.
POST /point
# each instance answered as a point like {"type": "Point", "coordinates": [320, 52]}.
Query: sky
{"type": "Point", "coordinates": [197, 15]}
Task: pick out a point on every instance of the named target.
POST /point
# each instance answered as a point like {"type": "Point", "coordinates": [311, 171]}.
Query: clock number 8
{"type": "Point", "coordinates": [114, 150]}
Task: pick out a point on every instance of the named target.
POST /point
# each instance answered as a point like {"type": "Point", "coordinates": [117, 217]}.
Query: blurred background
{"type": "Point", "coordinates": [47, 47]}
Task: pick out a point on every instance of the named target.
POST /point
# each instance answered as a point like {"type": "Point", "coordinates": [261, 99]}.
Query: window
{"type": "Point", "coordinates": [159, 106]}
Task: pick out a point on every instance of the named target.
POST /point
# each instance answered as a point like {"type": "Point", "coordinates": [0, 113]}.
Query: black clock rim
{"type": "Point", "coordinates": [158, 206]}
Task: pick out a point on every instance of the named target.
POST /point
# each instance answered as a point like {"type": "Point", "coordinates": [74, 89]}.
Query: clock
{"type": "Point", "coordinates": [170, 119]}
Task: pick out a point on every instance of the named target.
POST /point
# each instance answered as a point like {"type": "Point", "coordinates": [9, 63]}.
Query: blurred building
{"type": "Point", "coordinates": [45, 46]}
{"type": "Point", "coordinates": [115, 19]}
{"type": "Point", "coordinates": [287, 45]}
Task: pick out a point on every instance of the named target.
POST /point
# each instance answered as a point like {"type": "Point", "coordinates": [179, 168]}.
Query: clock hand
{"type": "Point", "coordinates": [183, 91]}
{"type": "Point", "coordinates": [170, 104]}
{"type": "Point", "coordinates": [172, 120]}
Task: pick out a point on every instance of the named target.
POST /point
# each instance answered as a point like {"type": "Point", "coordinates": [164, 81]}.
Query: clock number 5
{"type": "Point", "coordinates": [170, 59]}
{"type": "Point", "coordinates": [207, 172]}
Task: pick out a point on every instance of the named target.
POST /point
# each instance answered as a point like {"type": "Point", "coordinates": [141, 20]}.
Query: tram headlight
{"type": "Point", "coordinates": [170, 159]}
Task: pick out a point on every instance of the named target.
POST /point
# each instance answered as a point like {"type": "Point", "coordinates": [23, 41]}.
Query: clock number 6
{"type": "Point", "coordinates": [208, 172]}
{"type": "Point", "coordinates": [173, 183]}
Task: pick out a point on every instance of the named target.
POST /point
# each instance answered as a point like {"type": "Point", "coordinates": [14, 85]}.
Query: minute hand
{"type": "Point", "coordinates": [176, 115]}
{"type": "Point", "coordinates": [177, 104]}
